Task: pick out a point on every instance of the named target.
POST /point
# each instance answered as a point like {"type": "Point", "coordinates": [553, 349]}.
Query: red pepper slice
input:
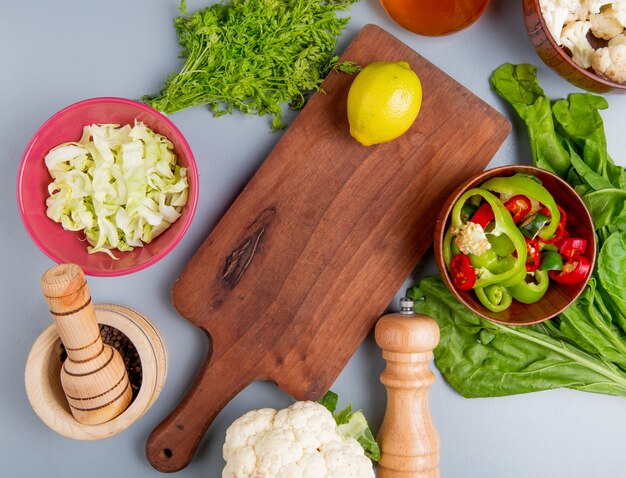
{"type": "Point", "coordinates": [463, 274]}
{"type": "Point", "coordinates": [560, 230]}
{"type": "Point", "coordinates": [519, 206]}
{"type": "Point", "coordinates": [483, 216]}
{"type": "Point", "coordinates": [533, 255]}
{"type": "Point", "coordinates": [574, 271]}
{"type": "Point", "coordinates": [571, 247]}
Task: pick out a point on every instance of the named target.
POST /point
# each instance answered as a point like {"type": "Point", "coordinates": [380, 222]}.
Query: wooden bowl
{"type": "Point", "coordinates": [557, 58]}
{"type": "Point", "coordinates": [43, 367]}
{"type": "Point", "coordinates": [559, 296]}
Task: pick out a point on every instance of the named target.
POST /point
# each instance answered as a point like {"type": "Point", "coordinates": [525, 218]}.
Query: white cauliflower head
{"type": "Point", "coordinates": [574, 37]}
{"type": "Point", "coordinates": [301, 441]}
{"type": "Point", "coordinates": [610, 62]}
{"type": "Point", "coordinates": [471, 239]}
{"type": "Point", "coordinates": [605, 24]}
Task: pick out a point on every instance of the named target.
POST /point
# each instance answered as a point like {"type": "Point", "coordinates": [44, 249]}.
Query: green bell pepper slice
{"type": "Point", "coordinates": [494, 264]}
{"type": "Point", "coordinates": [503, 225]}
{"type": "Point", "coordinates": [488, 260]}
{"type": "Point", "coordinates": [495, 297]}
{"type": "Point", "coordinates": [469, 210]}
{"type": "Point", "coordinates": [533, 226]}
{"type": "Point", "coordinates": [531, 292]}
{"type": "Point", "coordinates": [551, 261]}
{"type": "Point", "coordinates": [513, 185]}
{"type": "Point", "coordinates": [501, 245]}
{"type": "Point", "coordinates": [514, 279]}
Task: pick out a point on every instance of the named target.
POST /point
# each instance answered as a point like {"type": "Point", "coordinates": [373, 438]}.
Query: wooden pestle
{"type": "Point", "coordinates": [408, 441]}
{"type": "Point", "coordinates": [93, 376]}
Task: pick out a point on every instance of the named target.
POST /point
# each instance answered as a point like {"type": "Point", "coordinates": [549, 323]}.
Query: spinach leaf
{"type": "Point", "coordinates": [589, 324]}
{"type": "Point", "coordinates": [612, 269]}
{"type": "Point", "coordinates": [480, 358]}
{"type": "Point", "coordinates": [518, 85]}
{"type": "Point", "coordinates": [581, 124]}
{"type": "Point", "coordinates": [607, 207]}
{"type": "Point", "coordinates": [578, 120]}
{"type": "Point", "coordinates": [585, 174]}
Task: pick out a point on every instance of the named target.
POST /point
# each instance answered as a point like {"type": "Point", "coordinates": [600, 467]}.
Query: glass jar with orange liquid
{"type": "Point", "coordinates": [434, 17]}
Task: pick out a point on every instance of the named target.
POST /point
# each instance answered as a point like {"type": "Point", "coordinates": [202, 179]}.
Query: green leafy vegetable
{"type": "Point", "coordinates": [254, 55]}
{"type": "Point", "coordinates": [480, 358]}
{"type": "Point", "coordinates": [518, 85]}
{"type": "Point", "coordinates": [349, 67]}
{"type": "Point", "coordinates": [611, 269]}
{"type": "Point", "coordinates": [357, 427]}
{"type": "Point", "coordinates": [579, 120]}
{"type": "Point", "coordinates": [330, 401]}
{"type": "Point", "coordinates": [352, 424]}
{"type": "Point", "coordinates": [122, 186]}
{"type": "Point", "coordinates": [585, 347]}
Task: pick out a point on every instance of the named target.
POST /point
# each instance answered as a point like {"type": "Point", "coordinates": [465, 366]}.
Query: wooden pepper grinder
{"type": "Point", "coordinates": [408, 441]}
{"type": "Point", "coordinates": [93, 376]}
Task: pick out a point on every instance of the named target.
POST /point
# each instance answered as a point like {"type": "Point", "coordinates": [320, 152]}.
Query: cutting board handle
{"type": "Point", "coordinates": [172, 444]}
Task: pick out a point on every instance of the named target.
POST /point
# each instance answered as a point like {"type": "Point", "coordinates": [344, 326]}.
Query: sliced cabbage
{"type": "Point", "coordinates": [121, 185]}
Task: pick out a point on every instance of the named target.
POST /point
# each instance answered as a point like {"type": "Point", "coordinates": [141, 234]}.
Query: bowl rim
{"type": "Point", "coordinates": [561, 52]}
{"type": "Point", "coordinates": [192, 170]}
{"type": "Point", "coordinates": [442, 221]}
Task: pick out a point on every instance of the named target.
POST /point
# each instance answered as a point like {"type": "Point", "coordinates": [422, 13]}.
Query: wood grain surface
{"type": "Point", "coordinates": [294, 276]}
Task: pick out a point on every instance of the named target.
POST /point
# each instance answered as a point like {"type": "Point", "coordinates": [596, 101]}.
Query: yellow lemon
{"type": "Point", "coordinates": [383, 102]}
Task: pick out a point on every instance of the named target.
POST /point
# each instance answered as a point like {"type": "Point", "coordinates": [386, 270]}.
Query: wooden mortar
{"type": "Point", "coordinates": [43, 369]}
{"type": "Point", "coordinates": [408, 441]}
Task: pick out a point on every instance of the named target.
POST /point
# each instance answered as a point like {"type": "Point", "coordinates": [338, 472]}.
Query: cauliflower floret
{"type": "Point", "coordinates": [592, 6]}
{"type": "Point", "coordinates": [247, 429]}
{"type": "Point", "coordinates": [241, 463]}
{"type": "Point", "coordinates": [556, 13]}
{"type": "Point", "coordinates": [605, 24]}
{"type": "Point", "coordinates": [292, 470]}
{"type": "Point", "coordinates": [276, 450]}
{"type": "Point", "coordinates": [610, 62]}
{"type": "Point", "coordinates": [301, 441]}
{"type": "Point", "coordinates": [471, 239]}
{"type": "Point", "coordinates": [619, 7]}
{"type": "Point", "coordinates": [618, 40]}
{"type": "Point", "coordinates": [313, 465]}
{"type": "Point", "coordinates": [310, 427]}
{"type": "Point", "coordinates": [336, 454]}
{"type": "Point", "coordinates": [574, 37]}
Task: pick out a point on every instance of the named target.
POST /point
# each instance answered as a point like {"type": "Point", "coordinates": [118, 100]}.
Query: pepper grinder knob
{"type": "Point", "coordinates": [93, 377]}
{"type": "Point", "coordinates": [408, 440]}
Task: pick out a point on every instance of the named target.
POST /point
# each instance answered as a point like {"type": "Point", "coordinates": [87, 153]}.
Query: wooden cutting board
{"type": "Point", "coordinates": [295, 274]}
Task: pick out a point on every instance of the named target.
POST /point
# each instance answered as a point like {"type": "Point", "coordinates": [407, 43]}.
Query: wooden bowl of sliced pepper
{"type": "Point", "coordinates": [515, 244]}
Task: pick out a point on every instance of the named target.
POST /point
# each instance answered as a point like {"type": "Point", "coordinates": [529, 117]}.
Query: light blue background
{"type": "Point", "coordinates": [54, 53]}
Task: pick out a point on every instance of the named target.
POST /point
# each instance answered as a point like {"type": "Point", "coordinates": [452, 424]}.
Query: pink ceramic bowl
{"type": "Point", "coordinates": [33, 179]}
